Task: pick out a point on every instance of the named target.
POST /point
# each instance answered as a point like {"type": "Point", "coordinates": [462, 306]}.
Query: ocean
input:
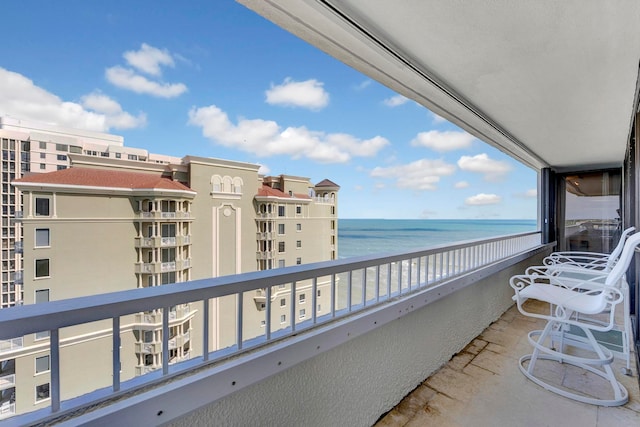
{"type": "Point", "coordinates": [357, 237]}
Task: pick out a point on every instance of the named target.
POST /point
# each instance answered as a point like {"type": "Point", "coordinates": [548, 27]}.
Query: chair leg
{"type": "Point", "coordinates": [604, 359]}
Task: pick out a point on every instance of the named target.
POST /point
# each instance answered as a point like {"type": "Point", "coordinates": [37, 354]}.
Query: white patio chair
{"type": "Point", "coordinates": [577, 270]}
{"type": "Point", "coordinates": [588, 305]}
{"type": "Point", "coordinates": [589, 260]}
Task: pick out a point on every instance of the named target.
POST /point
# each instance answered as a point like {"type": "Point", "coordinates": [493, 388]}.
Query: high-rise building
{"type": "Point", "coordinates": [31, 147]}
{"type": "Point", "coordinates": [111, 223]}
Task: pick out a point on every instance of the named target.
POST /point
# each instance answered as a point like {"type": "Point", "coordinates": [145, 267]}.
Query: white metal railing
{"type": "Point", "coordinates": [168, 241]}
{"type": "Point", "coordinates": [356, 284]}
{"type": "Point", "coordinates": [7, 381]}
{"type": "Point", "coordinates": [7, 409]}
{"type": "Point", "coordinates": [10, 344]}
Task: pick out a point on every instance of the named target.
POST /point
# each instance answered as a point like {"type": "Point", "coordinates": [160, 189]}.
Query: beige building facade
{"type": "Point", "coordinates": [107, 224]}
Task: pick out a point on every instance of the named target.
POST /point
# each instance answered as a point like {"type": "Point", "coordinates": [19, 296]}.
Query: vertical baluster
{"type": "Point", "coordinates": [267, 315]}
{"type": "Point", "coordinates": [364, 287]}
{"type": "Point", "coordinates": [378, 283]}
{"type": "Point", "coordinates": [333, 295]}
{"type": "Point", "coordinates": [441, 266]}
{"type": "Point", "coordinates": [115, 359]}
{"type": "Point", "coordinates": [292, 309]}
{"type": "Point", "coordinates": [409, 274]}
{"type": "Point", "coordinates": [205, 329]}
{"type": "Point", "coordinates": [165, 340]}
{"type": "Point", "coordinates": [349, 286]}
{"type": "Point", "coordinates": [54, 389]}
{"type": "Point", "coordinates": [389, 281]}
{"type": "Point", "coordinates": [239, 315]}
{"type": "Point", "coordinates": [314, 299]}
{"type": "Point", "coordinates": [399, 277]}
{"type": "Point", "coordinates": [419, 281]}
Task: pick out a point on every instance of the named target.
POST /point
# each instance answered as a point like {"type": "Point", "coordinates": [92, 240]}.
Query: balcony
{"type": "Point", "coordinates": [155, 242]}
{"type": "Point", "coordinates": [9, 345]}
{"type": "Point", "coordinates": [18, 247]}
{"type": "Point", "coordinates": [7, 409]}
{"type": "Point", "coordinates": [412, 299]}
{"type": "Point", "coordinates": [157, 215]}
{"type": "Point", "coordinates": [7, 381]}
{"type": "Point", "coordinates": [18, 277]}
{"type": "Point", "coordinates": [265, 236]}
{"type": "Point", "coordinates": [265, 255]}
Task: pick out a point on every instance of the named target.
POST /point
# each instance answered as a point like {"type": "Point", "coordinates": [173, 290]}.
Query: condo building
{"type": "Point", "coordinates": [107, 223]}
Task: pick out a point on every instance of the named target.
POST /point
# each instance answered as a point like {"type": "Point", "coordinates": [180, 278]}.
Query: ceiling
{"type": "Point", "coordinates": [552, 83]}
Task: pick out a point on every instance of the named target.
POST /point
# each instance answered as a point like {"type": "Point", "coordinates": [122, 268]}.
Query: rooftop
{"type": "Point", "coordinates": [482, 386]}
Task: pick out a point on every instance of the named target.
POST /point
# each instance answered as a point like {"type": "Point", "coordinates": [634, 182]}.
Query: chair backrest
{"type": "Point", "coordinates": [624, 261]}
{"type": "Point", "coordinates": [613, 258]}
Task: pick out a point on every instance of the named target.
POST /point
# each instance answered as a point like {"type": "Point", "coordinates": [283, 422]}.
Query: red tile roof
{"type": "Point", "coordinates": [87, 177]}
{"type": "Point", "coordinates": [327, 183]}
{"type": "Point", "coordinates": [267, 191]}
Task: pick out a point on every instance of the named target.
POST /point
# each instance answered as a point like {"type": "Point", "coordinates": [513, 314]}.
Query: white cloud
{"type": "Point", "coordinates": [395, 101]}
{"type": "Point", "coordinates": [443, 141]}
{"type": "Point", "coordinates": [423, 174]}
{"type": "Point", "coordinates": [483, 199]}
{"type": "Point", "coordinates": [264, 170]}
{"type": "Point", "coordinates": [308, 94]}
{"type": "Point", "coordinates": [531, 193]}
{"type": "Point", "coordinates": [493, 170]}
{"type": "Point", "coordinates": [267, 138]}
{"type": "Point", "coordinates": [115, 116]}
{"type": "Point", "coordinates": [438, 119]}
{"type": "Point", "coordinates": [128, 79]}
{"type": "Point", "coordinates": [461, 184]}
{"type": "Point", "coordinates": [149, 59]}
{"type": "Point", "coordinates": [21, 98]}
{"type": "Point", "coordinates": [364, 84]}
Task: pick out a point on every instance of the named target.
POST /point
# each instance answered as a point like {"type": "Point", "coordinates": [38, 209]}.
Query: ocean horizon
{"type": "Point", "coordinates": [360, 236]}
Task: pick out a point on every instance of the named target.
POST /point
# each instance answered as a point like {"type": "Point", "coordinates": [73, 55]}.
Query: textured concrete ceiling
{"type": "Point", "coordinates": [553, 83]}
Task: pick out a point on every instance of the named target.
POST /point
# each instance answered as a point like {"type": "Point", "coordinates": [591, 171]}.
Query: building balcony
{"type": "Point", "coordinates": [7, 381]}
{"type": "Point", "coordinates": [18, 247]}
{"type": "Point", "coordinates": [7, 409]}
{"type": "Point", "coordinates": [162, 267]}
{"type": "Point", "coordinates": [431, 304]}
{"type": "Point", "coordinates": [157, 215]}
{"type": "Point", "coordinates": [176, 314]}
{"type": "Point", "coordinates": [9, 345]}
{"type": "Point", "coordinates": [265, 255]}
{"type": "Point", "coordinates": [157, 242]}
{"type": "Point", "coordinates": [265, 236]}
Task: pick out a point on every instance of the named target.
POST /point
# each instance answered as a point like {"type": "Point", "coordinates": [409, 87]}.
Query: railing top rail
{"type": "Point", "coordinates": [18, 321]}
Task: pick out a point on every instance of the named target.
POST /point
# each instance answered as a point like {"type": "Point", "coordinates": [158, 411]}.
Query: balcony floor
{"type": "Point", "coordinates": [483, 386]}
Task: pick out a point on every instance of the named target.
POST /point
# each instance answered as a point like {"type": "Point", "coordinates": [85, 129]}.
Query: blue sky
{"type": "Point", "coordinates": [212, 78]}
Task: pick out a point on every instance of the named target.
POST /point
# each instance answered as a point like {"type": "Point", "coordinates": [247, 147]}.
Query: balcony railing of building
{"type": "Point", "coordinates": [9, 345]}
{"type": "Point", "coordinates": [7, 381]}
{"type": "Point", "coordinates": [18, 247]}
{"type": "Point", "coordinates": [365, 293]}
{"type": "Point", "coordinates": [7, 409]}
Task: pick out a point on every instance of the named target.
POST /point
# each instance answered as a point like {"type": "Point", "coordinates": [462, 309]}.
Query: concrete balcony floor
{"type": "Point", "coordinates": [483, 386]}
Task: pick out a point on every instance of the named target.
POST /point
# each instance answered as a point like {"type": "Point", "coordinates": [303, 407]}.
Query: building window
{"type": "Point", "coordinates": [303, 313]}
{"type": "Point", "coordinates": [42, 237]}
{"type": "Point", "coordinates": [318, 293]}
{"type": "Point", "coordinates": [298, 260]}
{"type": "Point", "coordinates": [62, 147]}
{"type": "Point", "coordinates": [298, 210]}
{"type": "Point", "coordinates": [42, 268]}
{"type": "Point", "coordinates": [61, 167]}
{"type": "Point", "coordinates": [132, 156]}
{"type": "Point", "coordinates": [42, 364]}
{"type": "Point", "coordinates": [281, 265]}
{"type": "Point", "coordinates": [302, 298]}
{"type": "Point", "coordinates": [43, 166]}
{"type": "Point", "coordinates": [283, 302]}
{"type": "Point", "coordinates": [319, 308]}
{"type": "Point", "coordinates": [283, 318]}
{"type": "Point", "coordinates": [280, 247]}
{"type": "Point", "coordinates": [333, 210]}
{"type": "Point", "coordinates": [43, 155]}
{"type": "Point", "coordinates": [42, 392]}
{"type": "Point", "coordinates": [148, 360]}
{"type": "Point", "coordinates": [42, 206]}
{"type": "Point", "coordinates": [298, 227]}
{"type": "Point", "coordinates": [118, 155]}
{"type": "Point", "coordinates": [280, 228]}
{"type": "Point", "coordinates": [148, 336]}
{"type": "Point", "coordinates": [43, 145]}
{"type": "Point", "coordinates": [61, 157]}
{"type": "Point", "coordinates": [263, 323]}
{"type": "Point", "coordinates": [167, 278]}
{"type": "Point", "coordinates": [281, 210]}
{"type": "Point", "coordinates": [104, 154]}
{"type": "Point", "coordinates": [298, 243]}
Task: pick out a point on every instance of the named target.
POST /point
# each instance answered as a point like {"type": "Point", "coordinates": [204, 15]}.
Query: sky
{"type": "Point", "coordinates": [214, 79]}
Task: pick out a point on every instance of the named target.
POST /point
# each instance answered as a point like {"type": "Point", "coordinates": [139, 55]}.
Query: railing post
{"type": "Point", "coordinates": [239, 308]}
{"type": "Point", "coordinates": [116, 353]}
{"type": "Point", "coordinates": [205, 330]}
{"type": "Point", "coordinates": [54, 348]}
{"type": "Point", "coordinates": [165, 340]}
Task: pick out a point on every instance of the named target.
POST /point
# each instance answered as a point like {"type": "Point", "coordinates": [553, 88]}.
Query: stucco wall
{"type": "Point", "coordinates": [355, 383]}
